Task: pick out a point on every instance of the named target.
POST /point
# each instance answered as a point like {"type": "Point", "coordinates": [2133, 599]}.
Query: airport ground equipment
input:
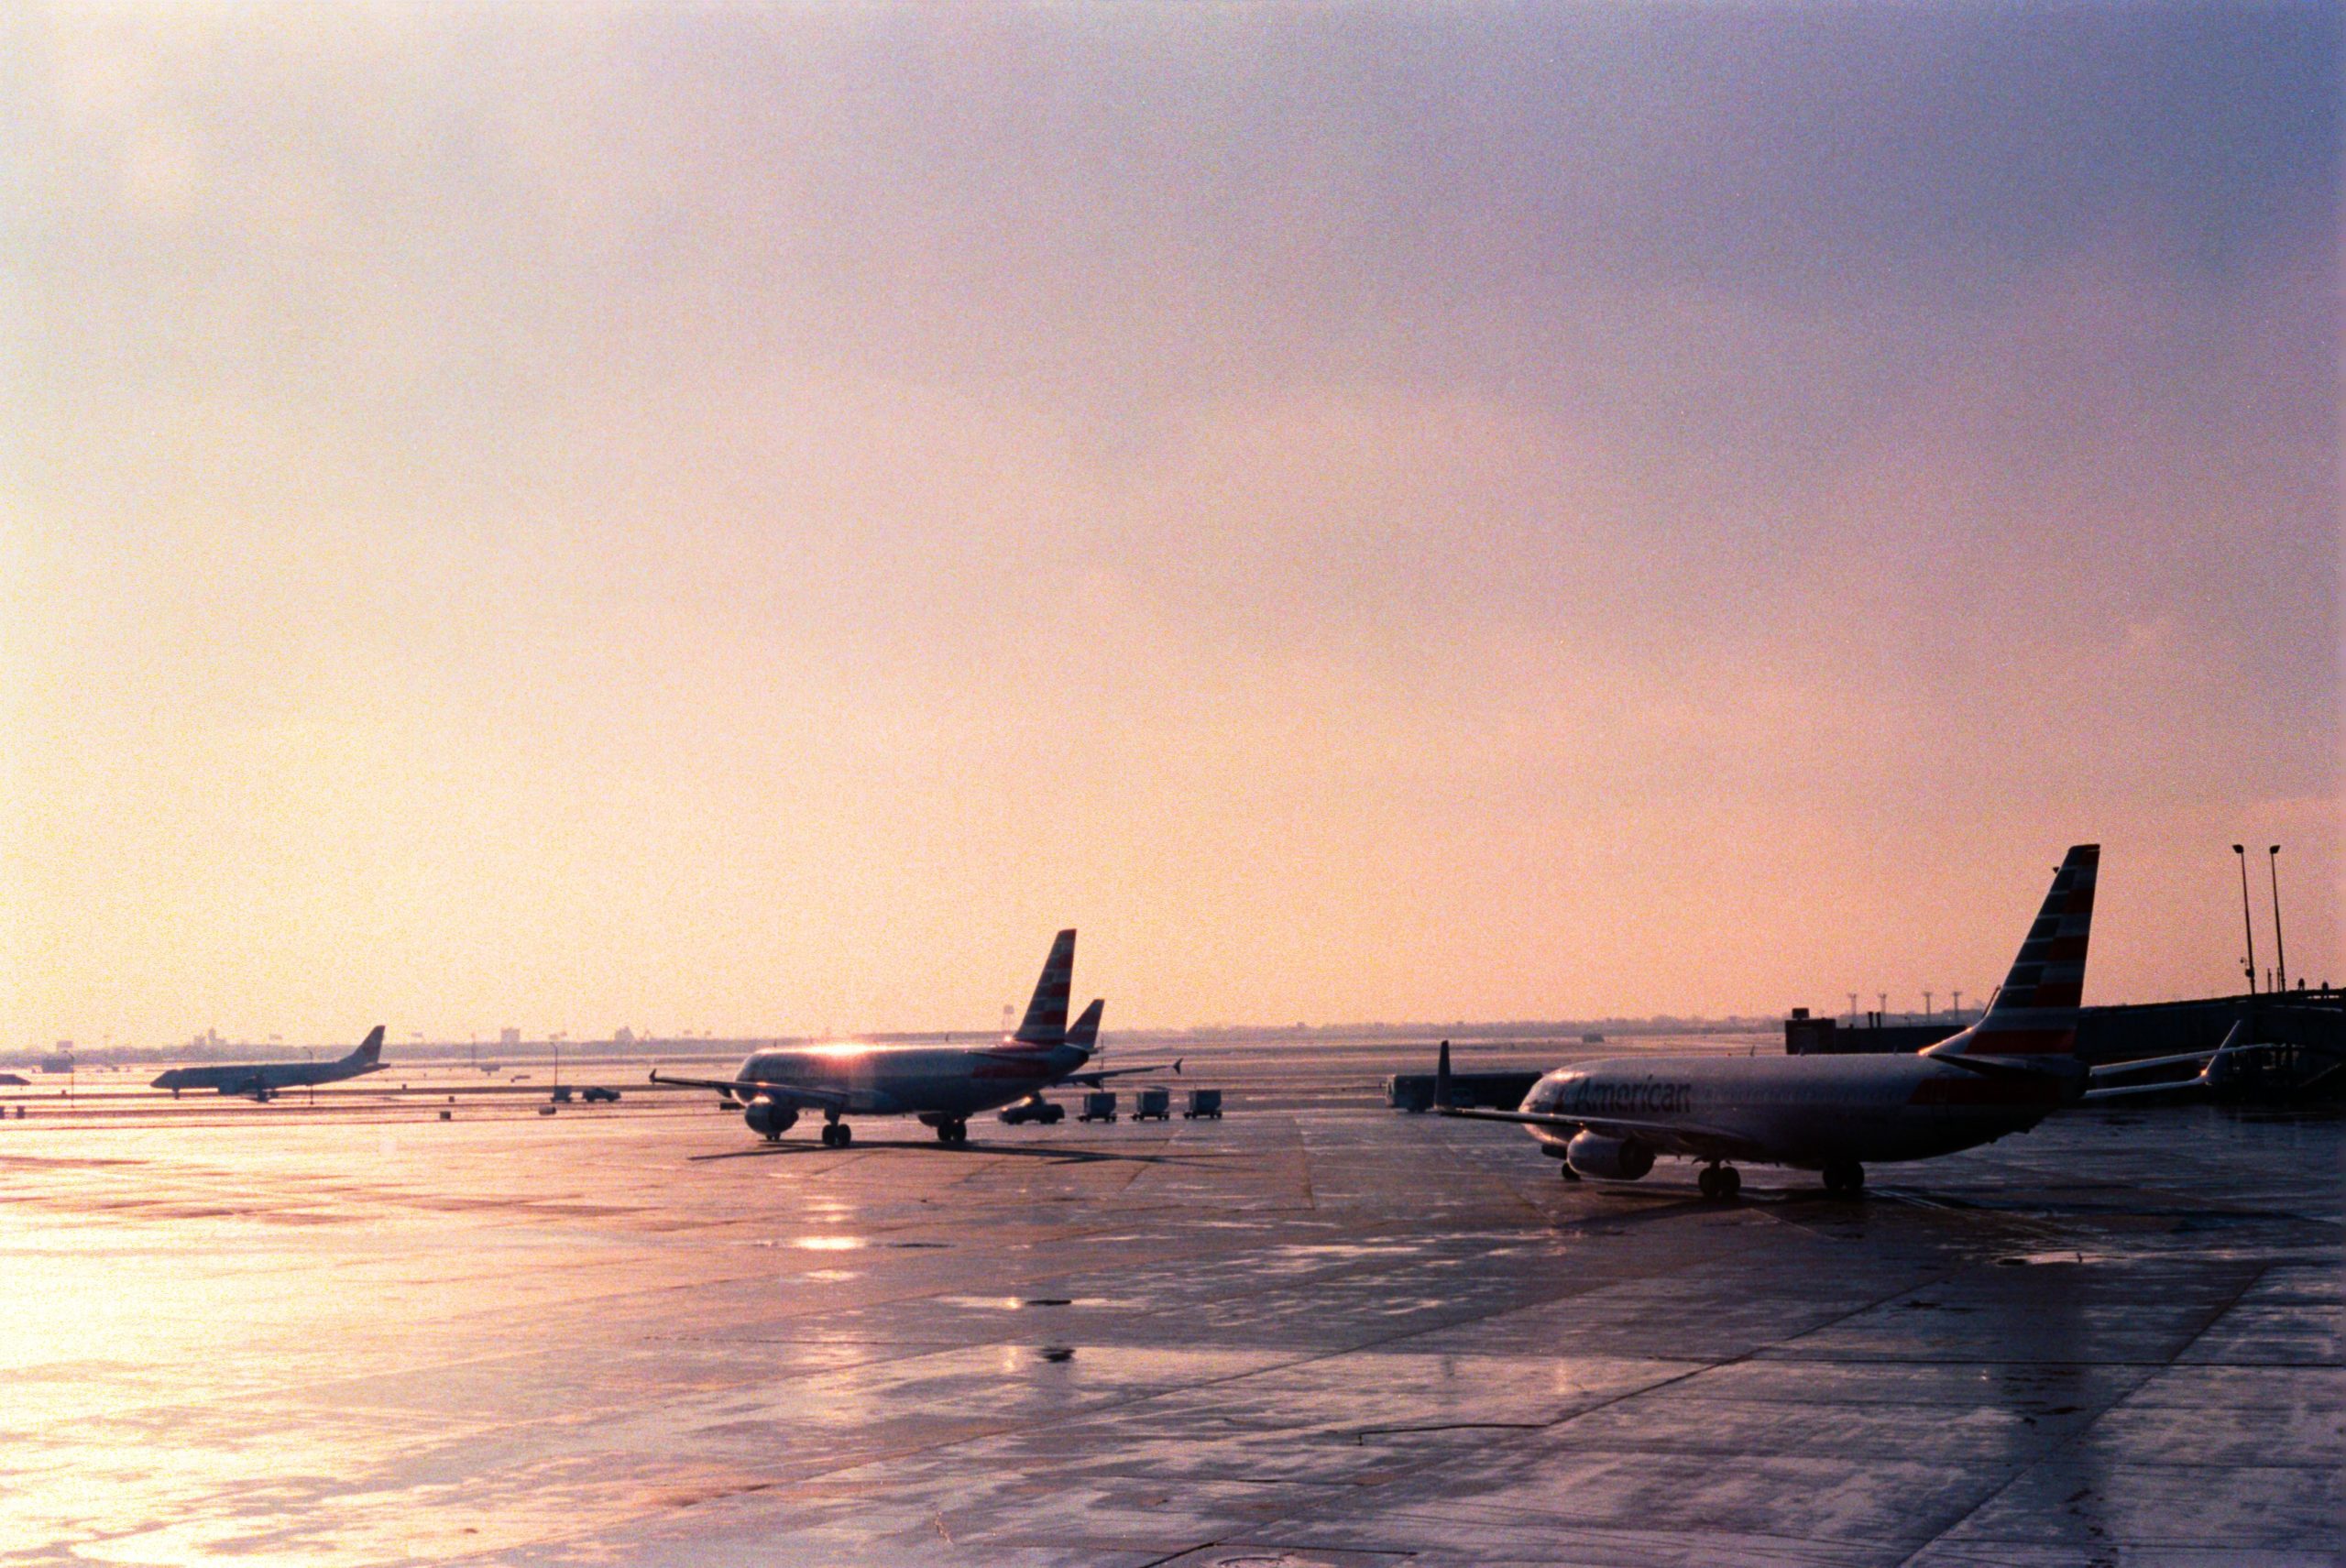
{"type": "Point", "coordinates": [941, 1086]}
{"type": "Point", "coordinates": [1153, 1104]}
{"type": "Point", "coordinates": [1831, 1112]}
{"type": "Point", "coordinates": [1203, 1102]}
{"type": "Point", "coordinates": [599, 1095]}
{"type": "Point", "coordinates": [1099, 1105]}
{"type": "Point", "coordinates": [1034, 1109]}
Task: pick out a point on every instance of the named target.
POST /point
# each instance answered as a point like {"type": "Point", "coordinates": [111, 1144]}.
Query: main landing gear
{"type": "Point", "coordinates": [1844, 1178]}
{"type": "Point", "coordinates": [953, 1134]}
{"type": "Point", "coordinates": [1719, 1182]}
{"type": "Point", "coordinates": [837, 1134]}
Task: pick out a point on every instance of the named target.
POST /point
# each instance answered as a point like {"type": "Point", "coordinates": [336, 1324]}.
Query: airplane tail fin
{"type": "Point", "coordinates": [2035, 1011]}
{"type": "Point", "coordinates": [1046, 1022]}
{"type": "Point", "coordinates": [370, 1049]}
{"type": "Point", "coordinates": [1441, 1077]}
{"type": "Point", "coordinates": [1084, 1033]}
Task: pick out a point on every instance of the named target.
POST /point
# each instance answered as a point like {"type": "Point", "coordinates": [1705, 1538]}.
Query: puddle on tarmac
{"type": "Point", "coordinates": [1016, 1303]}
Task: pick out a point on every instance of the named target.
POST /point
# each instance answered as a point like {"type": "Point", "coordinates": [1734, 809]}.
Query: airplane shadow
{"type": "Point", "coordinates": [1022, 1151]}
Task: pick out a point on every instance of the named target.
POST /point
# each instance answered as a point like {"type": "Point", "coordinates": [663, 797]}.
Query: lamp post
{"type": "Point", "coordinates": [2280, 960]}
{"type": "Point", "coordinates": [2247, 926]}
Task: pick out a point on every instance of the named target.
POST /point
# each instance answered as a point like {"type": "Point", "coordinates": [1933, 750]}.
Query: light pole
{"type": "Point", "coordinates": [2280, 960]}
{"type": "Point", "coordinates": [2246, 924]}
{"type": "Point", "coordinates": [1956, 1006]}
{"type": "Point", "coordinates": [1853, 1010]}
{"type": "Point", "coordinates": [1928, 1012]}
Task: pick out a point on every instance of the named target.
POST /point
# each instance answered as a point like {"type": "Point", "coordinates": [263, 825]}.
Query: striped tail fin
{"type": "Point", "coordinates": [1084, 1033]}
{"type": "Point", "coordinates": [2035, 1010]}
{"type": "Point", "coordinates": [370, 1049]}
{"type": "Point", "coordinates": [1046, 1022]}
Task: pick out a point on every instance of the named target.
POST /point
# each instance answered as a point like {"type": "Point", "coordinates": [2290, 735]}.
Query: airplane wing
{"type": "Point", "coordinates": [2127, 1068]}
{"type": "Point", "coordinates": [2211, 1075]}
{"type": "Point", "coordinates": [2124, 1091]}
{"type": "Point", "coordinates": [1677, 1137]}
{"type": "Point", "coordinates": [750, 1089]}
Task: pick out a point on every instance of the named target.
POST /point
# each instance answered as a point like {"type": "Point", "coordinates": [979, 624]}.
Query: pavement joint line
{"type": "Point", "coordinates": [2069, 1444]}
{"type": "Point", "coordinates": [1697, 1371]}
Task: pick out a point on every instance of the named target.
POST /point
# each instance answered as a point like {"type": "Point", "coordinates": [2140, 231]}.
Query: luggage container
{"type": "Point", "coordinates": [1203, 1102]}
{"type": "Point", "coordinates": [1154, 1104]}
{"type": "Point", "coordinates": [1099, 1105]}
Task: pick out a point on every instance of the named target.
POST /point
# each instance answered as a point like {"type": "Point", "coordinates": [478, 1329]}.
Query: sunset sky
{"type": "Point", "coordinates": [750, 519]}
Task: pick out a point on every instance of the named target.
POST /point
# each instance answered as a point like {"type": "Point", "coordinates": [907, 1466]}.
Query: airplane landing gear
{"type": "Point", "coordinates": [1844, 1178]}
{"type": "Point", "coordinates": [1719, 1182]}
{"type": "Point", "coordinates": [953, 1134]}
{"type": "Point", "coordinates": [837, 1134]}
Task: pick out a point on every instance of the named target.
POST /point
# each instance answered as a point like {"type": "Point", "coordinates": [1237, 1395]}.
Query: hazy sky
{"type": "Point", "coordinates": [751, 518]}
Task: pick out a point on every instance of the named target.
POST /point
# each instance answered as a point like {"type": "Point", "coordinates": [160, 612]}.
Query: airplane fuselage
{"type": "Point", "coordinates": [261, 1078]}
{"type": "Point", "coordinates": [930, 1082]}
{"type": "Point", "coordinates": [1806, 1112]}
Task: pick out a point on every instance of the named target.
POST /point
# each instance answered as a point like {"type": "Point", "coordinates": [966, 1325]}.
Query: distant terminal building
{"type": "Point", "coordinates": [1811, 1036]}
{"type": "Point", "coordinates": [60, 1059]}
{"type": "Point", "coordinates": [2304, 1029]}
{"type": "Point", "coordinates": [509, 1037]}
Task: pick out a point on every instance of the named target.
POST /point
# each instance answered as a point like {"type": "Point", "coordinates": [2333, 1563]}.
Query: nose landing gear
{"type": "Point", "coordinates": [953, 1134]}
{"type": "Point", "coordinates": [837, 1134]}
{"type": "Point", "coordinates": [1719, 1182]}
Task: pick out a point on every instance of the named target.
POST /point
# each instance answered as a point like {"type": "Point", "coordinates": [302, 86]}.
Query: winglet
{"type": "Point", "coordinates": [1441, 1077]}
{"type": "Point", "coordinates": [2219, 1071]}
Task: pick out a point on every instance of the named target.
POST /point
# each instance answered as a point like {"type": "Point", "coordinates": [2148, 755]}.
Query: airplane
{"type": "Point", "coordinates": [263, 1079]}
{"type": "Point", "coordinates": [1833, 1113]}
{"type": "Point", "coordinates": [941, 1086]}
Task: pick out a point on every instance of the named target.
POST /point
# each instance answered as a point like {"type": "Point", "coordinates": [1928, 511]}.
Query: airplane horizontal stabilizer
{"type": "Point", "coordinates": [1093, 1077]}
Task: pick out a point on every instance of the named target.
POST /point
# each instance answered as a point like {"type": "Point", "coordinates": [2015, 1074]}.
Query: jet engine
{"type": "Point", "coordinates": [1609, 1160]}
{"type": "Point", "coordinates": [769, 1120]}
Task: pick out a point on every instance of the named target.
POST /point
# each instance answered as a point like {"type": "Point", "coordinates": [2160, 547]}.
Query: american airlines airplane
{"type": "Point", "coordinates": [943, 1086]}
{"type": "Point", "coordinates": [263, 1079]}
{"type": "Point", "coordinates": [1833, 1113]}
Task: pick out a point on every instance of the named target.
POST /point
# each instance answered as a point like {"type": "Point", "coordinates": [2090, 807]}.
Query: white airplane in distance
{"type": "Point", "coordinates": [1833, 1113]}
{"type": "Point", "coordinates": [942, 1086]}
{"type": "Point", "coordinates": [262, 1081]}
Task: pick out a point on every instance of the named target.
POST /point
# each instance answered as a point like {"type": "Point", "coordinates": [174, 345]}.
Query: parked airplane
{"type": "Point", "coordinates": [1832, 1114]}
{"type": "Point", "coordinates": [263, 1079]}
{"type": "Point", "coordinates": [942, 1086]}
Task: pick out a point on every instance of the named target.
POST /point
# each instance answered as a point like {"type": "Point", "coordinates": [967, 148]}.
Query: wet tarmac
{"type": "Point", "coordinates": [1315, 1331]}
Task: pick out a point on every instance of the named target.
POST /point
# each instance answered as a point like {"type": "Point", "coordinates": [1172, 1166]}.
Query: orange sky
{"type": "Point", "coordinates": [749, 520]}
